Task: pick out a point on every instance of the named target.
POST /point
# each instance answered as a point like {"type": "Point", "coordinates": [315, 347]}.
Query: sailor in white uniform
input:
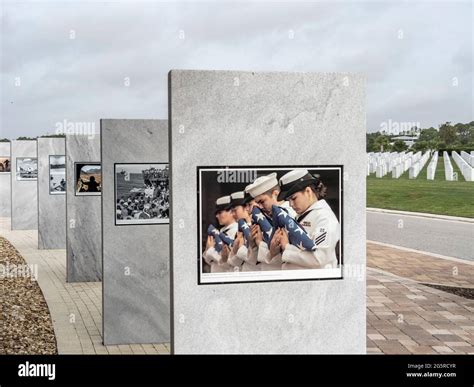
{"type": "Point", "coordinates": [242, 257]}
{"type": "Point", "coordinates": [218, 261]}
{"type": "Point", "coordinates": [306, 193]}
{"type": "Point", "coordinates": [265, 191]}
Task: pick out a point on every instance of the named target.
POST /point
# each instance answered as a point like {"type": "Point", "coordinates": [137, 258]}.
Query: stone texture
{"type": "Point", "coordinates": [266, 119]}
{"type": "Point", "coordinates": [83, 213]}
{"type": "Point", "coordinates": [51, 208]}
{"type": "Point", "coordinates": [24, 199]}
{"type": "Point", "coordinates": [136, 307]}
{"type": "Point", "coordinates": [5, 184]}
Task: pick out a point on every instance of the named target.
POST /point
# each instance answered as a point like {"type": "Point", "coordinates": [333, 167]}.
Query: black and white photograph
{"type": "Point", "coordinates": [269, 223]}
{"type": "Point", "coordinates": [5, 164]}
{"type": "Point", "coordinates": [142, 194]}
{"type": "Point", "coordinates": [26, 168]}
{"type": "Point", "coordinates": [57, 174]}
{"type": "Point", "coordinates": [88, 179]}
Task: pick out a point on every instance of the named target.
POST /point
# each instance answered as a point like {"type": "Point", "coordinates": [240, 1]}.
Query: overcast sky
{"type": "Point", "coordinates": [65, 60]}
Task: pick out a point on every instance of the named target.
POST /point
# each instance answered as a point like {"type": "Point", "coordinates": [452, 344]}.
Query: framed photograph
{"type": "Point", "coordinates": [88, 179]}
{"type": "Point", "coordinates": [275, 223]}
{"type": "Point", "coordinates": [57, 175]}
{"type": "Point", "coordinates": [5, 164]}
{"type": "Point", "coordinates": [141, 193]}
{"type": "Point", "coordinates": [26, 168]}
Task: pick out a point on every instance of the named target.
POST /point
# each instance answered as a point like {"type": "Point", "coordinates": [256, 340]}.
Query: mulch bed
{"type": "Point", "coordinates": [463, 292]}
{"type": "Point", "coordinates": [25, 322]}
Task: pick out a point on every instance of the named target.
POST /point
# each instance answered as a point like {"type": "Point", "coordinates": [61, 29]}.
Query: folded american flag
{"type": "Point", "coordinates": [214, 232]}
{"type": "Point", "coordinates": [267, 230]}
{"type": "Point", "coordinates": [296, 234]}
{"type": "Point", "coordinates": [211, 230]}
{"type": "Point", "coordinates": [245, 230]}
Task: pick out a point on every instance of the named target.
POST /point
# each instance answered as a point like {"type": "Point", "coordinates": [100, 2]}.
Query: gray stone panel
{"type": "Point", "coordinates": [24, 202]}
{"type": "Point", "coordinates": [247, 118]}
{"type": "Point", "coordinates": [51, 207]}
{"type": "Point", "coordinates": [83, 213]}
{"type": "Point", "coordinates": [5, 184]}
{"type": "Point", "coordinates": [136, 292]}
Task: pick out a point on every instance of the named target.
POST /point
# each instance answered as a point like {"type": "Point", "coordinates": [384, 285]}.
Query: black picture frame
{"type": "Point", "coordinates": [275, 167]}
{"type": "Point", "coordinates": [17, 172]}
{"type": "Point", "coordinates": [154, 223]}
{"type": "Point", "coordinates": [10, 165]}
{"type": "Point", "coordinates": [76, 163]}
{"type": "Point", "coordinates": [49, 176]}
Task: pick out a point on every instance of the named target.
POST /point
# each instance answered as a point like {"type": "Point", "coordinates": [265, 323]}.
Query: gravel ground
{"type": "Point", "coordinates": [25, 322]}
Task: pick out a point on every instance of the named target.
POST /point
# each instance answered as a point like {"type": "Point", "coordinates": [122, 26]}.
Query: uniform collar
{"type": "Point", "coordinates": [318, 205]}
{"type": "Point", "coordinates": [315, 206]}
{"type": "Point", "coordinates": [227, 228]}
{"type": "Point", "coordinates": [285, 204]}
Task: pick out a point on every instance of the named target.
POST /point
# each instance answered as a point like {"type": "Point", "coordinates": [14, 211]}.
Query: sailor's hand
{"type": "Point", "coordinates": [239, 241]}
{"type": "Point", "coordinates": [256, 233]}
{"type": "Point", "coordinates": [275, 244]}
{"type": "Point", "coordinates": [225, 253]}
{"type": "Point", "coordinates": [284, 240]}
{"type": "Point", "coordinates": [210, 242]}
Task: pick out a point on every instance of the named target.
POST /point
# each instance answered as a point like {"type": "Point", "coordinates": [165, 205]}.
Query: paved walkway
{"type": "Point", "coordinates": [406, 317]}
{"type": "Point", "coordinates": [403, 316]}
{"type": "Point", "coordinates": [421, 267]}
{"type": "Point", "coordinates": [75, 308]}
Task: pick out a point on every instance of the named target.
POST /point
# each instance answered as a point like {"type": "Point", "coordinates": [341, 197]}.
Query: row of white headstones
{"type": "Point", "coordinates": [397, 163]}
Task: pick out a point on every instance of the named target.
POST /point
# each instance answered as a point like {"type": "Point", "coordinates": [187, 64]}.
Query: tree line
{"type": "Point", "coordinates": [446, 137]}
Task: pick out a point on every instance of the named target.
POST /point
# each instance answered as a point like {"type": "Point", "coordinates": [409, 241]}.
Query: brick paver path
{"type": "Point", "coordinates": [421, 267]}
{"type": "Point", "coordinates": [404, 316]}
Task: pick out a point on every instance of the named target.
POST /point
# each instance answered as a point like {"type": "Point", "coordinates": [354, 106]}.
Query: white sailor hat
{"type": "Point", "coordinates": [262, 185]}
{"type": "Point", "coordinates": [239, 198]}
{"type": "Point", "coordinates": [294, 181]}
{"type": "Point", "coordinates": [223, 203]}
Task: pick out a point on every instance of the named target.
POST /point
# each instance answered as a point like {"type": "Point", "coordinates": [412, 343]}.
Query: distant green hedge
{"type": "Point", "coordinates": [457, 149]}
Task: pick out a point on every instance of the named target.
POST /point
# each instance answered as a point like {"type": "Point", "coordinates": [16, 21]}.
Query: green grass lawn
{"type": "Point", "coordinates": [455, 198]}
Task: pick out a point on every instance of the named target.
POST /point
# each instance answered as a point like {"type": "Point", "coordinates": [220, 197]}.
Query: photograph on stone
{"type": "Point", "coordinates": [141, 193]}
{"type": "Point", "coordinates": [57, 174]}
{"type": "Point", "coordinates": [26, 168]}
{"type": "Point", "coordinates": [88, 179]}
{"type": "Point", "coordinates": [5, 164]}
{"type": "Point", "coordinates": [269, 223]}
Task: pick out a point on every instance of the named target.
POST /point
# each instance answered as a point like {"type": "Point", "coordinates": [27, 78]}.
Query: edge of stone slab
{"type": "Point", "coordinates": [259, 72]}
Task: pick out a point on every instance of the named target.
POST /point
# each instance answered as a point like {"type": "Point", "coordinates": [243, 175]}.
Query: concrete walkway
{"type": "Point", "coordinates": [75, 308]}
{"type": "Point", "coordinates": [440, 235]}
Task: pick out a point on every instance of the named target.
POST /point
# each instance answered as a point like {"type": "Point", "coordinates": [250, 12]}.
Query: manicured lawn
{"type": "Point", "coordinates": [455, 198]}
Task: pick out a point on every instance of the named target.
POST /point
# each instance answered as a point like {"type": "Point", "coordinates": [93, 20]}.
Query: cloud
{"type": "Point", "coordinates": [410, 52]}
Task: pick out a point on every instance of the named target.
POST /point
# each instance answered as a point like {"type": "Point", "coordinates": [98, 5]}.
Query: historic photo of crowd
{"type": "Point", "coordinates": [142, 194]}
{"type": "Point", "coordinates": [259, 224]}
{"type": "Point", "coordinates": [57, 175]}
{"type": "Point", "coordinates": [88, 179]}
